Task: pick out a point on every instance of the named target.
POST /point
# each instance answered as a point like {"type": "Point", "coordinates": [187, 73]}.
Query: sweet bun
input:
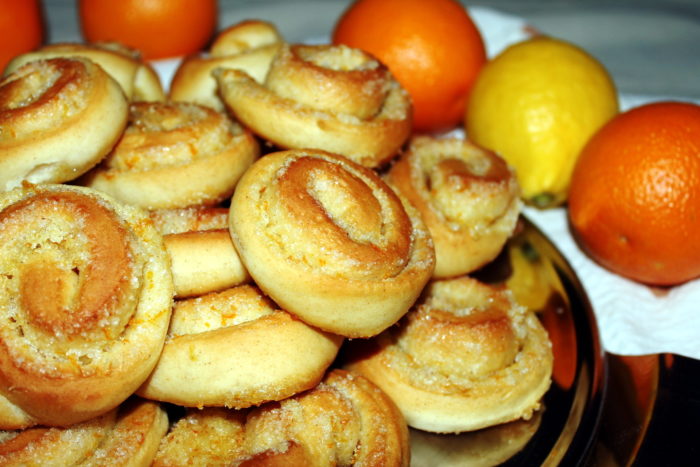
{"type": "Point", "coordinates": [175, 155]}
{"type": "Point", "coordinates": [468, 196]}
{"type": "Point", "coordinates": [237, 349]}
{"type": "Point", "coordinates": [464, 358]}
{"type": "Point", "coordinates": [329, 241]}
{"type": "Point", "coordinates": [249, 46]}
{"type": "Point", "coordinates": [334, 98]}
{"type": "Point", "coordinates": [129, 435]}
{"type": "Point", "coordinates": [345, 420]}
{"type": "Point", "coordinates": [86, 293]}
{"type": "Point", "coordinates": [59, 117]}
{"type": "Point", "coordinates": [137, 78]}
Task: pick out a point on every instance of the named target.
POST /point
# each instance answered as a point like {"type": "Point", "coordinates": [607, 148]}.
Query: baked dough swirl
{"type": "Point", "coordinates": [237, 349]}
{"type": "Point", "coordinates": [86, 295]}
{"type": "Point", "coordinates": [468, 196]}
{"type": "Point", "coordinates": [345, 420]}
{"type": "Point", "coordinates": [329, 241]}
{"type": "Point", "coordinates": [175, 155]}
{"type": "Point", "coordinates": [249, 46]}
{"type": "Point", "coordinates": [465, 357]}
{"type": "Point", "coordinates": [129, 435]}
{"type": "Point", "coordinates": [58, 118]}
{"type": "Point", "coordinates": [137, 78]}
{"type": "Point", "coordinates": [334, 98]}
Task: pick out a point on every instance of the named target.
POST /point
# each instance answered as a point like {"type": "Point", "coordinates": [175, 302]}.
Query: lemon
{"type": "Point", "coordinates": [536, 104]}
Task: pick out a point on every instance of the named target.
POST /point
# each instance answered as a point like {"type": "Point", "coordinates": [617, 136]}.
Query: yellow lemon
{"type": "Point", "coordinates": [536, 104]}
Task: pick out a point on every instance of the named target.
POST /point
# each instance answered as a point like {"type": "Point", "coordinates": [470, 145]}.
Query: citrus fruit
{"type": "Point", "coordinates": [21, 28]}
{"type": "Point", "coordinates": [157, 28]}
{"type": "Point", "coordinates": [433, 48]}
{"type": "Point", "coordinates": [634, 203]}
{"type": "Point", "coordinates": [536, 104]}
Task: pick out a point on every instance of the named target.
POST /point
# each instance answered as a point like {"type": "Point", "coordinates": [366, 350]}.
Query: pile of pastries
{"type": "Point", "coordinates": [262, 265]}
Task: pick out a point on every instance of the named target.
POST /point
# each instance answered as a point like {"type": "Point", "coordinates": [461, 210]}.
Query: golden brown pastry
{"type": "Point", "coordinates": [59, 117]}
{"type": "Point", "coordinates": [190, 219]}
{"type": "Point", "coordinates": [469, 199]}
{"type": "Point", "coordinates": [329, 241]}
{"type": "Point", "coordinates": [464, 358]}
{"type": "Point", "coordinates": [137, 78]}
{"type": "Point", "coordinates": [345, 420]}
{"type": "Point", "coordinates": [334, 98]}
{"type": "Point", "coordinates": [86, 294]}
{"type": "Point", "coordinates": [249, 46]}
{"type": "Point", "coordinates": [129, 435]}
{"type": "Point", "coordinates": [237, 349]}
{"type": "Point", "coordinates": [175, 155]}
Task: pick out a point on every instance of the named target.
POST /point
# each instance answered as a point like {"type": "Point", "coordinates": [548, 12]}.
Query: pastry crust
{"type": "Point", "coordinates": [468, 196]}
{"type": "Point", "coordinates": [464, 358]}
{"type": "Point", "coordinates": [334, 98]}
{"type": "Point", "coordinates": [236, 349]}
{"type": "Point", "coordinates": [59, 118]}
{"type": "Point", "coordinates": [137, 78]}
{"type": "Point", "coordinates": [86, 300]}
{"type": "Point", "coordinates": [329, 241]}
{"type": "Point", "coordinates": [345, 420]}
{"type": "Point", "coordinates": [175, 155]}
{"type": "Point", "coordinates": [249, 46]}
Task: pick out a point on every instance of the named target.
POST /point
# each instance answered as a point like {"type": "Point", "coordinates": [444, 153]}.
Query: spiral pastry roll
{"type": "Point", "coordinates": [334, 98]}
{"type": "Point", "coordinates": [249, 46]}
{"type": "Point", "coordinates": [129, 435]}
{"type": "Point", "coordinates": [468, 197]}
{"type": "Point", "coordinates": [175, 155]}
{"type": "Point", "coordinates": [236, 349]}
{"type": "Point", "coordinates": [58, 118]}
{"type": "Point", "coordinates": [86, 296]}
{"type": "Point", "coordinates": [464, 358]}
{"type": "Point", "coordinates": [329, 241]}
{"type": "Point", "coordinates": [137, 78]}
{"type": "Point", "coordinates": [345, 420]}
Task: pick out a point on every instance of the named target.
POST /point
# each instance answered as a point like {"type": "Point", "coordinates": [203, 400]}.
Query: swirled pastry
{"type": "Point", "coordinates": [329, 241]}
{"type": "Point", "coordinates": [464, 358]}
{"type": "Point", "coordinates": [334, 98]}
{"type": "Point", "coordinates": [86, 296]}
{"type": "Point", "coordinates": [249, 46]}
{"type": "Point", "coordinates": [236, 349]}
{"type": "Point", "coordinates": [175, 155]}
{"type": "Point", "coordinates": [58, 118]}
{"type": "Point", "coordinates": [469, 199]}
{"type": "Point", "coordinates": [129, 435]}
{"type": "Point", "coordinates": [345, 420]}
{"type": "Point", "coordinates": [137, 78]}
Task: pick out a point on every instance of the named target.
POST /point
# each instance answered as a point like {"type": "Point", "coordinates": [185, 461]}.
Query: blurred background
{"type": "Point", "coordinates": [649, 46]}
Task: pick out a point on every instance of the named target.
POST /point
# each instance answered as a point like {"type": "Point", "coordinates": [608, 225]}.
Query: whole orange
{"type": "Point", "coordinates": [634, 201]}
{"type": "Point", "coordinates": [433, 48]}
{"type": "Point", "coordinates": [21, 28]}
{"type": "Point", "coordinates": [158, 28]}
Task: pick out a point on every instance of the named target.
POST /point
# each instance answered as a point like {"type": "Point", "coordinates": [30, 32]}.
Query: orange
{"type": "Point", "coordinates": [634, 202]}
{"type": "Point", "coordinates": [158, 28]}
{"type": "Point", "coordinates": [21, 28]}
{"type": "Point", "coordinates": [433, 48]}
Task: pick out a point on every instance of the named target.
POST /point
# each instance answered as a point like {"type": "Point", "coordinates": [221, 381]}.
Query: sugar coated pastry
{"type": "Point", "coordinates": [129, 435]}
{"type": "Point", "coordinates": [334, 98]}
{"type": "Point", "coordinates": [237, 349]}
{"type": "Point", "coordinates": [190, 219]}
{"type": "Point", "coordinates": [137, 78]}
{"type": "Point", "coordinates": [329, 241]}
{"type": "Point", "coordinates": [345, 420]}
{"type": "Point", "coordinates": [86, 294]}
{"type": "Point", "coordinates": [59, 117]}
{"type": "Point", "coordinates": [175, 155]}
{"type": "Point", "coordinates": [249, 46]}
{"type": "Point", "coordinates": [464, 358]}
{"type": "Point", "coordinates": [468, 196]}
